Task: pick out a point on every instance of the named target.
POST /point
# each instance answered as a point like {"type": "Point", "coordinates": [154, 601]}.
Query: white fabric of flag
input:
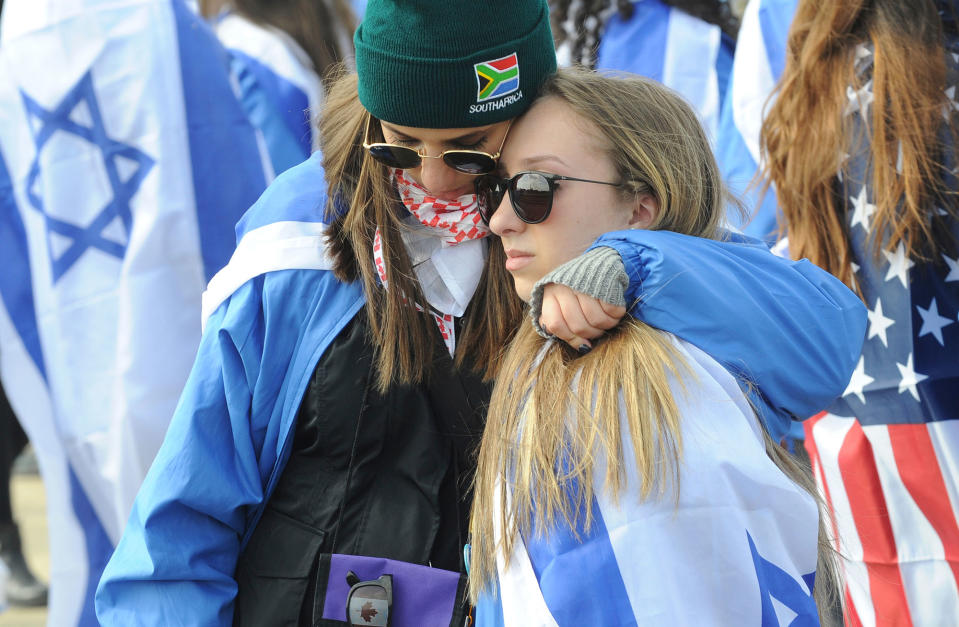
{"type": "Point", "coordinates": [125, 161]}
{"type": "Point", "coordinates": [739, 547]}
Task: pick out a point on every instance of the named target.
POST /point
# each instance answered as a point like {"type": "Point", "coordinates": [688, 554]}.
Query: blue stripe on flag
{"type": "Point", "coordinates": [98, 547]}
{"type": "Point", "coordinates": [724, 65]}
{"type": "Point", "coordinates": [580, 578]}
{"type": "Point", "coordinates": [218, 126]}
{"type": "Point", "coordinates": [639, 44]}
{"type": "Point", "coordinates": [775, 583]}
{"type": "Point", "coordinates": [738, 169]}
{"type": "Point", "coordinates": [775, 17]}
{"type": "Point", "coordinates": [16, 282]}
{"type": "Point", "coordinates": [489, 609]}
{"type": "Point", "coordinates": [277, 107]}
{"type": "Point", "coordinates": [506, 87]}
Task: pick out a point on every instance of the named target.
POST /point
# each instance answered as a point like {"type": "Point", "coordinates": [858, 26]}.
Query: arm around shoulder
{"type": "Point", "coordinates": [788, 327]}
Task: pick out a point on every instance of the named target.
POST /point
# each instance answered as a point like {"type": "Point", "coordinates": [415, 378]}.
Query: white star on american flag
{"type": "Point", "coordinates": [859, 381]}
{"type": "Point", "coordinates": [899, 264]}
{"type": "Point", "coordinates": [953, 268]}
{"type": "Point", "coordinates": [862, 209]}
{"type": "Point", "coordinates": [932, 322]}
{"type": "Point", "coordinates": [878, 323]}
{"type": "Point", "coordinates": [859, 99]}
{"type": "Point", "coordinates": [910, 378]}
{"type": "Point", "coordinates": [951, 105]}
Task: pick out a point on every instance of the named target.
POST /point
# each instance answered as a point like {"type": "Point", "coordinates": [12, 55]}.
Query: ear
{"type": "Point", "coordinates": [645, 211]}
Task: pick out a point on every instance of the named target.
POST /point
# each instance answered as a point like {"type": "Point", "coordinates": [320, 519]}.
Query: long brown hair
{"type": "Point", "coordinates": [806, 133]}
{"type": "Point", "coordinates": [553, 413]}
{"type": "Point", "coordinates": [318, 26]}
{"type": "Point", "coordinates": [362, 198]}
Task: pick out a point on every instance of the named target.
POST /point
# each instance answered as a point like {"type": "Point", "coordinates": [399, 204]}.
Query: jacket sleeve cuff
{"type": "Point", "coordinates": [599, 273]}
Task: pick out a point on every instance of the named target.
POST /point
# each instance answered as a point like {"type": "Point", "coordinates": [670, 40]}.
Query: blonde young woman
{"type": "Point", "coordinates": [633, 484]}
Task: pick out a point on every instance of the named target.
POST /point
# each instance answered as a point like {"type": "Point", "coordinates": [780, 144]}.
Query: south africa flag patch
{"type": "Point", "coordinates": [497, 78]}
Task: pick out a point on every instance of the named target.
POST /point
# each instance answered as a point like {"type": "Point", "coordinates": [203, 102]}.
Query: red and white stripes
{"type": "Point", "coordinates": [892, 489]}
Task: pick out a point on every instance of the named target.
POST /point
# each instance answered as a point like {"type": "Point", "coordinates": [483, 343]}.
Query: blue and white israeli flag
{"type": "Point", "coordinates": [758, 64]}
{"type": "Point", "coordinates": [737, 547]}
{"type": "Point", "coordinates": [125, 162]}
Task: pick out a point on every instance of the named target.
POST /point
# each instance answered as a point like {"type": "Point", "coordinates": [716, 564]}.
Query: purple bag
{"type": "Point", "coordinates": [422, 596]}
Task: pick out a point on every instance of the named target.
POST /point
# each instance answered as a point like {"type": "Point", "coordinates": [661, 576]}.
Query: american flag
{"type": "Point", "coordinates": [886, 454]}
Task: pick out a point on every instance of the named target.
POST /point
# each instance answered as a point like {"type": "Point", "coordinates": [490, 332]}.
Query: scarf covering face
{"type": "Point", "coordinates": [443, 241]}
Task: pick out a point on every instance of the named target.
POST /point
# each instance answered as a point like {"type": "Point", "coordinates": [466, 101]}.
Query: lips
{"type": "Point", "coordinates": [517, 259]}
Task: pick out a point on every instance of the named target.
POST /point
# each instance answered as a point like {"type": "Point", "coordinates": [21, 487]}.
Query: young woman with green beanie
{"type": "Point", "coordinates": [320, 459]}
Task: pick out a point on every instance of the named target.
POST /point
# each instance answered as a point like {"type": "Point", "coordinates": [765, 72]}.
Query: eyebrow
{"type": "Point", "coordinates": [469, 138]}
{"type": "Point", "coordinates": [531, 161]}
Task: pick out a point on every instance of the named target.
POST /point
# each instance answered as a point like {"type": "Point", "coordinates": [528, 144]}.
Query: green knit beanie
{"type": "Point", "coordinates": [452, 63]}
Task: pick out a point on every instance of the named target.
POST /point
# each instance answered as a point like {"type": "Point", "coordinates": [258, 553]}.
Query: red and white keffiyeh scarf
{"type": "Point", "coordinates": [444, 246]}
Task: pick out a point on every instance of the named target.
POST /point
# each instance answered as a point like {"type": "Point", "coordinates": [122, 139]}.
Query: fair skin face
{"type": "Point", "coordinates": [571, 316]}
{"type": "Point", "coordinates": [552, 138]}
{"type": "Point", "coordinates": [441, 180]}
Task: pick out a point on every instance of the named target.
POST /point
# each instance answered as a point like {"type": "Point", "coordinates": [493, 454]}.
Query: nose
{"type": "Point", "coordinates": [504, 220]}
{"type": "Point", "coordinates": [443, 181]}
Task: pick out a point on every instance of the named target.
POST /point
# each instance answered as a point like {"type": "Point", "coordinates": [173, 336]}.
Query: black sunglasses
{"type": "Point", "coordinates": [473, 162]}
{"type": "Point", "coordinates": [369, 602]}
{"type": "Point", "coordinates": [530, 194]}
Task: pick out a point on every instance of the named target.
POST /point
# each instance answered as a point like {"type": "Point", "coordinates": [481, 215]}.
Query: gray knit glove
{"type": "Point", "coordinates": [599, 273]}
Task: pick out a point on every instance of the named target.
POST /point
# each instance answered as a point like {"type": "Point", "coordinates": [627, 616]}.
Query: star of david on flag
{"type": "Point", "coordinates": [125, 162]}
{"type": "Point", "coordinates": [124, 178]}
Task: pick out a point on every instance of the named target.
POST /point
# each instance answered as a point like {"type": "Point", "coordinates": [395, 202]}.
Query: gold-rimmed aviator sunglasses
{"type": "Point", "coordinates": [473, 162]}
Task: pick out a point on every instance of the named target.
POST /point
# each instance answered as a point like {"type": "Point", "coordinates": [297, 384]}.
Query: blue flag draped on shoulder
{"type": "Point", "coordinates": [125, 161]}
{"type": "Point", "coordinates": [738, 546]}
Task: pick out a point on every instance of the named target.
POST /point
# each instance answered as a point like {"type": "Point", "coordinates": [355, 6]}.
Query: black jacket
{"type": "Point", "coordinates": [384, 475]}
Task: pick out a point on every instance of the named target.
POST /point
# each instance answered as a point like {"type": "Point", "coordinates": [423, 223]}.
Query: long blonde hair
{"type": "Point", "coordinates": [361, 198]}
{"type": "Point", "coordinates": [554, 414]}
{"type": "Point", "coordinates": [806, 133]}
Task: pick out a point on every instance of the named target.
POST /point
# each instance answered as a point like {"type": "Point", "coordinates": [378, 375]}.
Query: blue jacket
{"type": "Point", "coordinates": [231, 434]}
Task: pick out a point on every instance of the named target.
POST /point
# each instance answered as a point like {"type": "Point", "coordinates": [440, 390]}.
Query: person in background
{"type": "Point", "coordinates": [282, 55]}
{"type": "Point", "coordinates": [647, 485]}
{"type": "Point", "coordinates": [22, 587]}
{"type": "Point", "coordinates": [685, 44]}
{"type": "Point", "coordinates": [860, 145]}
